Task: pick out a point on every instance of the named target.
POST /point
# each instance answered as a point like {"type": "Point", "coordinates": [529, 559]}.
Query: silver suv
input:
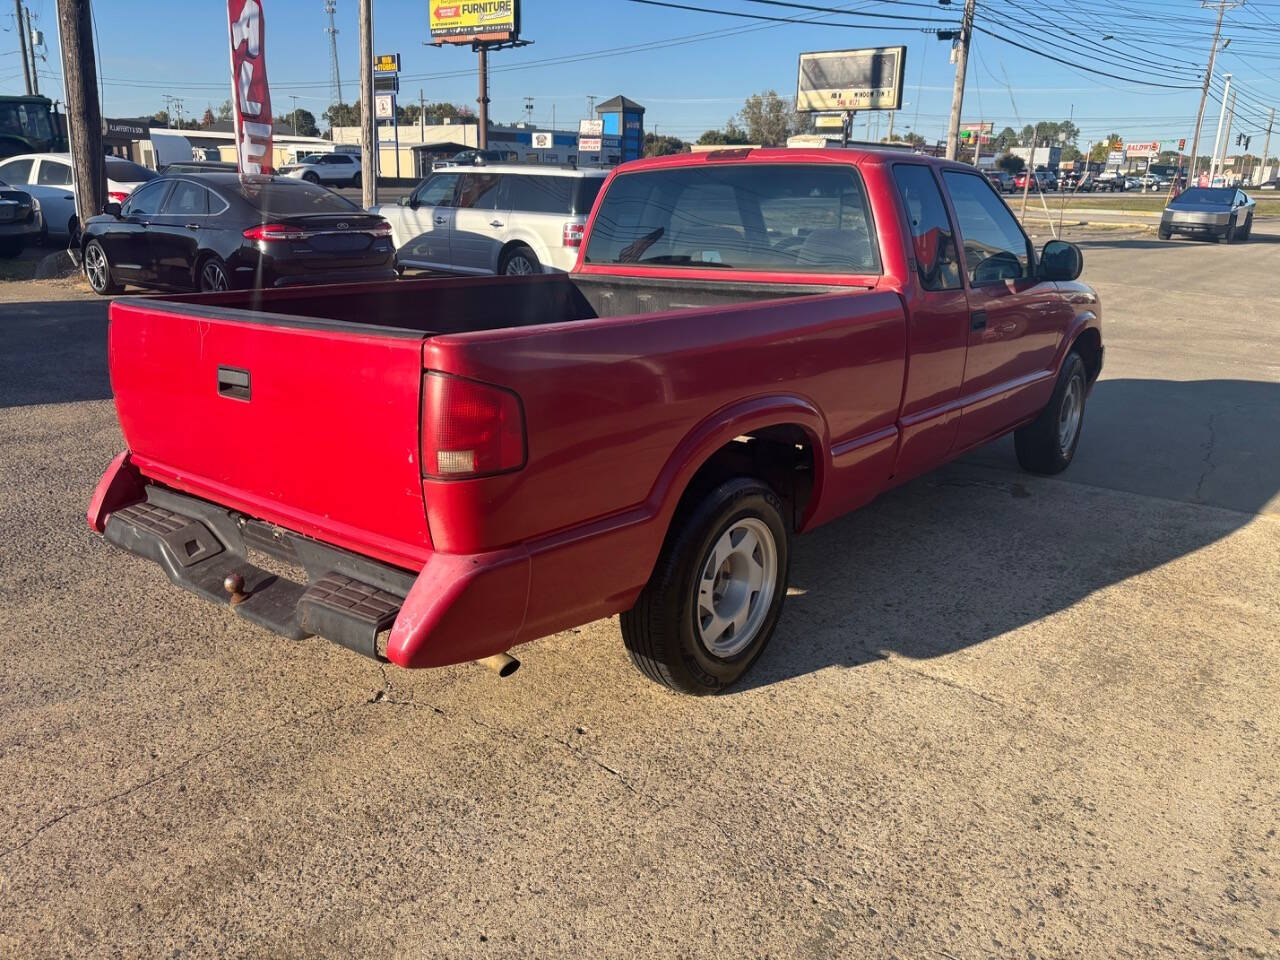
{"type": "Point", "coordinates": [331, 169]}
{"type": "Point", "coordinates": [499, 218]}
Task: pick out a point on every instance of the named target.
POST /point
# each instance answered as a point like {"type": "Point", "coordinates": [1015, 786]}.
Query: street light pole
{"type": "Point", "coordinates": [1222, 117]}
{"type": "Point", "coordinates": [957, 93]}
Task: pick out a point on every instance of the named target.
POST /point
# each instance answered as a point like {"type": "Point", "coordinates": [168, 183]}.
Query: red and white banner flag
{"type": "Point", "coordinates": [250, 94]}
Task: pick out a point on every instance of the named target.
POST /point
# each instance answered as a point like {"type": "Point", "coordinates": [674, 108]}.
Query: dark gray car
{"type": "Point", "coordinates": [1223, 213]}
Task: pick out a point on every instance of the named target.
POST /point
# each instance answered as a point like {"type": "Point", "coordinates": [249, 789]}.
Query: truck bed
{"type": "Point", "coordinates": [472, 304]}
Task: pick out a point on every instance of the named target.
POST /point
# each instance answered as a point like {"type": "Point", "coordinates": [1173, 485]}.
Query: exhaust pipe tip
{"type": "Point", "coordinates": [503, 664]}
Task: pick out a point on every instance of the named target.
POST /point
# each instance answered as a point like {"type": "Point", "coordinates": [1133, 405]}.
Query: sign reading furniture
{"type": "Point", "coordinates": [469, 21]}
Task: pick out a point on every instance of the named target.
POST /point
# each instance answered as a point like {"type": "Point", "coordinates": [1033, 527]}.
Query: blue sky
{"type": "Point", "coordinates": [152, 47]}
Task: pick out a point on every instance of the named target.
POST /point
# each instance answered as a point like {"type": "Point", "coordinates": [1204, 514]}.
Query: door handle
{"type": "Point", "coordinates": [495, 223]}
{"type": "Point", "coordinates": [978, 320]}
{"type": "Point", "coordinates": [191, 226]}
{"type": "Point", "coordinates": [442, 219]}
{"type": "Point", "coordinates": [234, 383]}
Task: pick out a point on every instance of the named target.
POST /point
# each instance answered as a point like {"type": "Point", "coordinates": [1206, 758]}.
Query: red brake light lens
{"type": "Point", "coordinates": [382, 229]}
{"type": "Point", "coordinates": [117, 196]}
{"type": "Point", "coordinates": [573, 234]}
{"type": "Point", "coordinates": [469, 429]}
{"type": "Point", "coordinates": [274, 231]}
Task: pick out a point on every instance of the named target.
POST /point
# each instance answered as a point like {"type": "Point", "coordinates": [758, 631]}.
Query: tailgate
{"type": "Point", "coordinates": [310, 425]}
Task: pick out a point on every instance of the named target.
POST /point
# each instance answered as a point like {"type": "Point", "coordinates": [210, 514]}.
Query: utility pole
{"type": "Point", "coordinates": [22, 42]}
{"type": "Point", "coordinates": [84, 113]}
{"type": "Point", "coordinates": [1223, 6]}
{"type": "Point", "coordinates": [1222, 116]}
{"type": "Point", "coordinates": [962, 65]}
{"type": "Point", "coordinates": [35, 69]}
{"type": "Point", "coordinates": [892, 114]}
{"type": "Point", "coordinates": [368, 122]}
{"type": "Point", "coordinates": [1266, 144]}
{"type": "Point", "coordinates": [482, 134]}
{"type": "Point", "coordinates": [294, 98]}
{"type": "Point", "coordinates": [422, 117]}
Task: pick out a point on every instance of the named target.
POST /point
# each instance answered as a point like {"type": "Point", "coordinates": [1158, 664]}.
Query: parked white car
{"type": "Point", "coordinates": [20, 220]}
{"type": "Point", "coordinates": [501, 218]}
{"type": "Point", "coordinates": [330, 169]}
{"type": "Point", "coordinates": [47, 177]}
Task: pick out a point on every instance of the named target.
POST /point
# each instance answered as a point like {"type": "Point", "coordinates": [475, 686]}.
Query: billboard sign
{"type": "Point", "coordinates": [591, 128]}
{"type": "Point", "coordinates": [250, 96]}
{"type": "Point", "coordinates": [544, 141]}
{"type": "Point", "coordinates": [386, 63]}
{"type": "Point", "coordinates": [1142, 149]}
{"type": "Point", "coordinates": [589, 144]}
{"type": "Point", "coordinates": [868, 79]}
{"type": "Point", "coordinates": [1115, 158]}
{"type": "Point", "coordinates": [467, 21]}
{"type": "Point", "coordinates": [829, 121]}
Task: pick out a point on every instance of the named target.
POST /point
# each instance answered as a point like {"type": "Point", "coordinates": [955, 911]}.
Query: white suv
{"type": "Point", "coordinates": [499, 218]}
{"type": "Point", "coordinates": [331, 169]}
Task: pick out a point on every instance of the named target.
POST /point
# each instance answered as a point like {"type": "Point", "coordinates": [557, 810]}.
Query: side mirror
{"type": "Point", "coordinates": [1061, 261]}
{"type": "Point", "coordinates": [406, 201]}
{"type": "Point", "coordinates": [111, 210]}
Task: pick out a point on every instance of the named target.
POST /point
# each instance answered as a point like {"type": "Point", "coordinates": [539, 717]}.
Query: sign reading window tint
{"type": "Point", "coordinates": [995, 248]}
{"type": "Point", "coordinates": [933, 240]}
{"type": "Point", "coordinates": [786, 217]}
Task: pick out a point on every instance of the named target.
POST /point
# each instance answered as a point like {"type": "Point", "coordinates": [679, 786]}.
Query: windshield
{"type": "Point", "coordinates": [27, 120]}
{"type": "Point", "coordinates": [809, 218]}
{"type": "Point", "coordinates": [291, 198]}
{"type": "Point", "coordinates": [1206, 195]}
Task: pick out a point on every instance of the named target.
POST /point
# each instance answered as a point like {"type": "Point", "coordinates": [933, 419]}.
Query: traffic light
{"type": "Point", "coordinates": [1247, 140]}
{"type": "Point", "coordinates": [1239, 139]}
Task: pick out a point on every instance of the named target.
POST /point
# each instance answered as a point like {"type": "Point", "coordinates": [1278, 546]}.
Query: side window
{"type": "Point", "coordinates": [146, 201]}
{"type": "Point", "coordinates": [528, 194]}
{"type": "Point", "coordinates": [54, 174]}
{"type": "Point", "coordinates": [342, 158]}
{"type": "Point", "coordinates": [438, 191]}
{"type": "Point", "coordinates": [187, 200]}
{"type": "Point", "coordinates": [479, 191]}
{"type": "Point", "coordinates": [995, 248]}
{"type": "Point", "coordinates": [16, 171]}
{"type": "Point", "coordinates": [933, 240]}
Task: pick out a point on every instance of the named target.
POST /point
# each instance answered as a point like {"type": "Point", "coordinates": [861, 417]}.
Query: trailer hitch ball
{"type": "Point", "coordinates": [234, 585]}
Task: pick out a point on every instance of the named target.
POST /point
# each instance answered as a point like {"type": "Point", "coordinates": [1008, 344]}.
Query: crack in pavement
{"type": "Point", "coordinates": [164, 774]}
{"type": "Point", "coordinates": [1210, 466]}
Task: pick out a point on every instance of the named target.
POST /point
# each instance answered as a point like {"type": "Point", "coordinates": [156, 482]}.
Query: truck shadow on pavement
{"type": "Point", "coordinates": [979, 548]}
{"type": "Point", "coordinates": [54, 352]}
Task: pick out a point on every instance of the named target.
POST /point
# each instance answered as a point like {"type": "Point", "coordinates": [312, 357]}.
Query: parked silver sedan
{"type": "Point", "coordinates": [1223, 213]}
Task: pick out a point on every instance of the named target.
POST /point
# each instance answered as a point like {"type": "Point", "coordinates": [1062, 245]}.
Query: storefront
{"type": "Point", "coordinates": [120, 137]}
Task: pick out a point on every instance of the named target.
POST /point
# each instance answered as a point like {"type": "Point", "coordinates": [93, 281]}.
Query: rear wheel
{"type": "Point", "coordinates": [213, 276]}
{"type": "Point", "coordinates": [1048, 444]}
{"type": "Point", "coordinates": [519, 262]}
{"type": "Point", "coordinates": [716, 593]}
{"type": "Point", "coordinates": [355, 181]}
{"type": "Point", "coordinates": [97, 270]}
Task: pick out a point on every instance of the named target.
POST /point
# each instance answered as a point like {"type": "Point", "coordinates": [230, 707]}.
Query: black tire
{"type": "Point", "coordinates": [663, 632]}
{"type": "Point", "coordinates": [1248, 228]}
{"type": "Point", "coordinates": [513, 258]}
{"type": "Point", "coordinates": [210, 269]}
{"type": "Point", "coordinates": [1040, 445]}
{"type": "Point", "coordinates": [1230, 235]}
{"type": "Point", "coordinates": [98, 273]}
{"type": "Point", "coordinates": [11, 247]}
{"type": "Point", "coordinates": [355, 181]}
{"type": "Point", "coordinates": [311, 176]}
{"type": "Point", "coordinates": [1164, 234]}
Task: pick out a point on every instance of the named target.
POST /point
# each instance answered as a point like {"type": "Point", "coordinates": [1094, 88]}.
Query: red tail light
{"type": "Point", "coordinates": [274, 231]}
{"type": "Point", "coordinates": [469, 429]}
{"type": "Point", "coordinates": [117, 196]}
{"type": "Point", "coordinates": [382, 229]}
{"type": "Point", "coordinates": [573, 234]}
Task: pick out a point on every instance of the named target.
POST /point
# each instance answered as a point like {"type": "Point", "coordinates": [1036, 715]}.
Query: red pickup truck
{"type": "Point", "coordinates": [753, 343]}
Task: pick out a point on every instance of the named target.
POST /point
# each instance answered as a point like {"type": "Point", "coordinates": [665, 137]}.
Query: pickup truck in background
{"type": "Point", "coordinates": [753, 343]}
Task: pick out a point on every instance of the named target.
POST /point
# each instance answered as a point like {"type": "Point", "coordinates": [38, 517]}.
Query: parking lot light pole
{"type": "Point", "coordinates": [1222, 118]}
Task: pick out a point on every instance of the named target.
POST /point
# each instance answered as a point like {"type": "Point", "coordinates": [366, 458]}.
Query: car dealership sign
{"type": "Point", "coordinates": [1142, 149]}
{"type": "Point", "coordinates": [250, 96]}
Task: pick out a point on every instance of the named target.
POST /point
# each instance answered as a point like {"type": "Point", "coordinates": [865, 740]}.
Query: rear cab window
{"type": "Point", "coordinates": [932, 237]}
{"type": "Point", "coordinates": [294, 198]}
{"type": "Point", "coordinates": [798, 218]}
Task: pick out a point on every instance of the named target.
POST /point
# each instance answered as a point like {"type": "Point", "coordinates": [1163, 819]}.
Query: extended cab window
{"type": "Point", "coordinates": [801, 218]}
{"type": "Point", "coordinates": [995, 248]}
{"type": "Point", "coordinates": [933, 240]}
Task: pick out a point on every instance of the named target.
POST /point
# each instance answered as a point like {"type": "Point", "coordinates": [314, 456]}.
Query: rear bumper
{"type": "Point", "coordinates": [457, 608]}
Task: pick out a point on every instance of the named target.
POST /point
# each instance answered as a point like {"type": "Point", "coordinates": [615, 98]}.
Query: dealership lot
{"type": "Point", "coordinates": [960, 744]}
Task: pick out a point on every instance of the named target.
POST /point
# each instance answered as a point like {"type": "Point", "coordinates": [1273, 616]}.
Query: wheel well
{"type": "Point", "coordinates": [781, 456]}
{"type": "Point", "coordinates": [510, 247]}
{"type": "Point", "coordinates": [1089, 346]}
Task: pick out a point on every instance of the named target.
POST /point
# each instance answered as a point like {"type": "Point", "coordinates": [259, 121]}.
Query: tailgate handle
{"type": "Point", "coordinates": [234, 383]}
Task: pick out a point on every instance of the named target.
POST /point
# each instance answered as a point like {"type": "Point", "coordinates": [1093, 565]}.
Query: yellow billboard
{"type": "Point", "coordinates": [464, 21]}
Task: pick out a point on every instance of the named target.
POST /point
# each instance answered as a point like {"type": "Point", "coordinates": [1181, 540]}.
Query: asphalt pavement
{"type": "Point", "coordinates": [1002, 716]}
